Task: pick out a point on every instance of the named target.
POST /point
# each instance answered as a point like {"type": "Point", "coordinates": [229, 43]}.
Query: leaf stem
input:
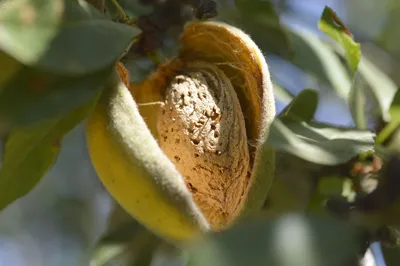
{"type": "Point", "coordinates": [121, 11]}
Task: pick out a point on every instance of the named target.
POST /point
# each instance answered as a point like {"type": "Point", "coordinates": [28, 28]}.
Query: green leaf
{"type": "Point", "coordinates": [33, 95]}
{"type": "Point", "coordinates": [391, 255]}
{"type": "Point", "coordinates": [144, 253]}
{"type": "Point", "coordinates": [259, 19]}
{"type": "Point", "coordinates": [289, 240]}
{"type": "Point", "coordinates": [28, 27]}
{"type": "Point", "coordinates": [331, 24]}
{"type": "Point", "coordinates": [65, 37]}
{"type": "Point", "coordinates": [319, 144]}
{"type": "Point", "coordinates": [331, 185]}
{"type": "Point", "coordinates": [303, 107]}
{"type": "Point", "coordinates": [31, 151]}
{"type": "Point", "coordinates": [357, 102]}
{"type": "Point", "coordinates": [98, 4]}
{"type": "Point", "coordinates": [318, 59]}
{"type": "Point", "coordinates": [394, 123]}
{"type": "Point", "coordinates": [383, 88]}
{"type": "Point", "coordinates": [9, 67]}
{"type": "Point", "coordinates": [293, 186]}
{"type": "Point", "coordinates": [125, 242]}
{"type": "Point", "coordinates": [133, 9]}
{"type": "Point", "coordinates": [135, 248]}
{"type": "Point", "coordinates": [111, 254]}
{"type": "Point", "coordinates": [388, 36]}
{"type": "Point", "coordinates": [282, 94]}
{"type": "Point", "coordinates": [122, 233]}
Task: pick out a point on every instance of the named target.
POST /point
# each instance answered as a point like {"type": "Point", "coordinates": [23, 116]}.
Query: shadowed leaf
{"type": "Point", "coordinates": [289, 240]}
{"type": "Point", "coordinates": [126, 242]}
{"type": "Point", "coordinates": [259, 19]}
{"type": "Point", "coordinates": [383, 88]}
{"type": "Point", "coordinates": [33, 95]}
{"type": "Point", "coordinates": [70, 37]}
{"type": "Point", "coordinates": [318, 59]}
{"type": "Point", "coordinates": [31, 151]}
{"type": "Point", "coordinates": [394, 123]}
{"type": "Point", "coordinates": [9, 67]}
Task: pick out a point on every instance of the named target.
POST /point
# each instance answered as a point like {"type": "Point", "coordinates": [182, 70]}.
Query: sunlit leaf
{"type": "Point", "coordinates": [357, 102]}
{"type": "Point", "coordinates": [318, 59]}
{"type": "Point", "coordinates": [70, 37]}
{"type": "Point", "coordinates": [303, 106]}
{"type": "Point", "coordinates": [31, 151]}
{"type": "Point", "coordinates": [394, 123]}
{"type": "Point", "coordinates": [331, 24]}
{"type": "Point", "coordinates": [282, 94]}
{"type": "Point", "coordinates": [321, 145]}
{"type": "Point", "coordinates": [289, 240]}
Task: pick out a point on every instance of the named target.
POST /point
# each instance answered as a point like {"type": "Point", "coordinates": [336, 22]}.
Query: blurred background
{"type": "Point", "coordinates": [59, 222]}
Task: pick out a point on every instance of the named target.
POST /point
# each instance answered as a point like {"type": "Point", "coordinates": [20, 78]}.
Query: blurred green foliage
{"type": "Point", "coordinates": [57, 55]}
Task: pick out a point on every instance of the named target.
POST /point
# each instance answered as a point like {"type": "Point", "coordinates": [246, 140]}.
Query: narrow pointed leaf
{"type": "Point", "coordinates": [321, 145]}
{"type": "Point", "coordinates": [331, 24]}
